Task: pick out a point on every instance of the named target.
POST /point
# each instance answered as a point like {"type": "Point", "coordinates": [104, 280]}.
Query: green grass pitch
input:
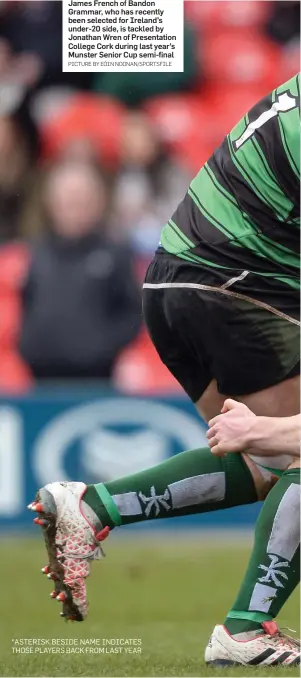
{"type": "Point", "coordinates": [168, 591]}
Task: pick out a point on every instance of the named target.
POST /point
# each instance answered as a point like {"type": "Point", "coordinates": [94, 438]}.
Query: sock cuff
{"type": "Point", "coordinates": [251, 616]}
{"type": "Point", "coordinates": [292, 472]}
{"type": "Point", "coordinates": [108, 503]}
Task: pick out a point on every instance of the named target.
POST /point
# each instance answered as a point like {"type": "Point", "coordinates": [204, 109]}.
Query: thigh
{"type": "Point", "coordinates": [211, 402]}
{"type": "Point", "coordinates": [253, 348]}
{"type": "Point", "coordinates": [191, 371]}
{"type": "Point", "coordinates": [281, 400]}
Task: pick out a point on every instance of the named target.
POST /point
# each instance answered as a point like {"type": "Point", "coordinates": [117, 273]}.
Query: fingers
{"type": "Point", "coordinates": [214, 444]}
{"type": "Point", "coordinates": [210, 433]}
{"type": "Point", "coordinates": [217, 451]}
{"type": "Point", "coordinates": [229, 404]}
{"type": "Point", "coordinates": [225, 407]}
{"type": "Point", "coordinates": [212, 441]}
{"type": "Point", "coordinates": [214, 421]}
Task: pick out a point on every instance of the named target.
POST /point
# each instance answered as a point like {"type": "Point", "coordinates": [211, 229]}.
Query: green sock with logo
{"type": "Point", "coordinates": [274, 567]}
{"type": "Point", "coordinates": [191, 482]}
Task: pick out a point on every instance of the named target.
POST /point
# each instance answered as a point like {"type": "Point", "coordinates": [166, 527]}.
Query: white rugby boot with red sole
{"type": "Point", "coordinates": [73, 539]}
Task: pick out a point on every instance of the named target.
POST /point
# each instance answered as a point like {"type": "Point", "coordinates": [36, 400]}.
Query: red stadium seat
{"type": "Point", "coordinates": [245, 13]}
{"type": "Point", "coordinates": [173, 116]}
{"type": "Point", "coordinates": [193, 155]}
{"type": "Point", "coordinates": [186, 126]}
{"type": "Point", "coordinates": [229, 104]}
{"type": "Point", "coordinates": [237, 56]}
{"type": "Point", "coordinates": [86, 116]}
{"type": "Point", "coordinates": [181, 117]}
{"type": "Point", "coordinates": [14, 374]}
{"type": "Point", "coordinates": [15, 377]}
{"type": "Point", "coordinates": [224, 108]}
{"type": "Point", "coordinates": [140, 370]}
{"type": "Point", "coordinates": [13, 265]}
{"type": "Point", "coordinates": [9, 319]}
{"type": "Point", "coordinates": [202, 14]}
{"type": "Point", "coordinates": [192, 126]}
{"type": "Point", "coordinates": [214, 15]}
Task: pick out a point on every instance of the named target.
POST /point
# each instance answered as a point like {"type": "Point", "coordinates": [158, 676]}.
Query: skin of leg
{"type": "Point", "coordinates": [281, 400]}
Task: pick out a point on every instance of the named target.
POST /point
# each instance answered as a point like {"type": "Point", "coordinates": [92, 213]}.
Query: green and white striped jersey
{"type": "Point", "coordinates": [242, 209]}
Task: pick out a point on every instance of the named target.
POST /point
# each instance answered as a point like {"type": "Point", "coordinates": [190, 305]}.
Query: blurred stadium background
{"type": "Point", "coordinates": [91, 167]}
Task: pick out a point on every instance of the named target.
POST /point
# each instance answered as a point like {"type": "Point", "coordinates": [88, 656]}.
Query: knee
{"type": "Point", "coordinates": [263, 481]}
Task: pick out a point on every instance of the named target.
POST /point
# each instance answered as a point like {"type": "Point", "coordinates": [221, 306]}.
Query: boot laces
{"type": "Point", "coordinates": [286, 639]}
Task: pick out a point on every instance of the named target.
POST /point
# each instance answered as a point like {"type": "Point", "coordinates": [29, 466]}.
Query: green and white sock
{"type": "Point", "coordinates": [274, 567]}
{"type": "Point", "coordinates": [191, 482]}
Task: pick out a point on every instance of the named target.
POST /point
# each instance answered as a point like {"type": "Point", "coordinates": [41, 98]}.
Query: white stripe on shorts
{"type": "Point", "coordinates": [210, 288]}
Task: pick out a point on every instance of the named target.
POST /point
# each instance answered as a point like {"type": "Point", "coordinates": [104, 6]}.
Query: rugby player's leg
{"type": "Point", "coordinates": [274, 568]}
{"type": "Point", "coordinates": [76, 518]}
{"type": "Point", "coordinates": [262, 595]}
{"type": "Point", "coordinates": [281, 400]}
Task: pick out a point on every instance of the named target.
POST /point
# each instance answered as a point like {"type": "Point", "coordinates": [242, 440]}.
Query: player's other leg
{"type": "Point", "coordinates": [249, 635]}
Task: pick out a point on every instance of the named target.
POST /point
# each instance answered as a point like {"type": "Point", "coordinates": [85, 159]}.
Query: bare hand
{"type": "Point", "coordinates": [230, 431]}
